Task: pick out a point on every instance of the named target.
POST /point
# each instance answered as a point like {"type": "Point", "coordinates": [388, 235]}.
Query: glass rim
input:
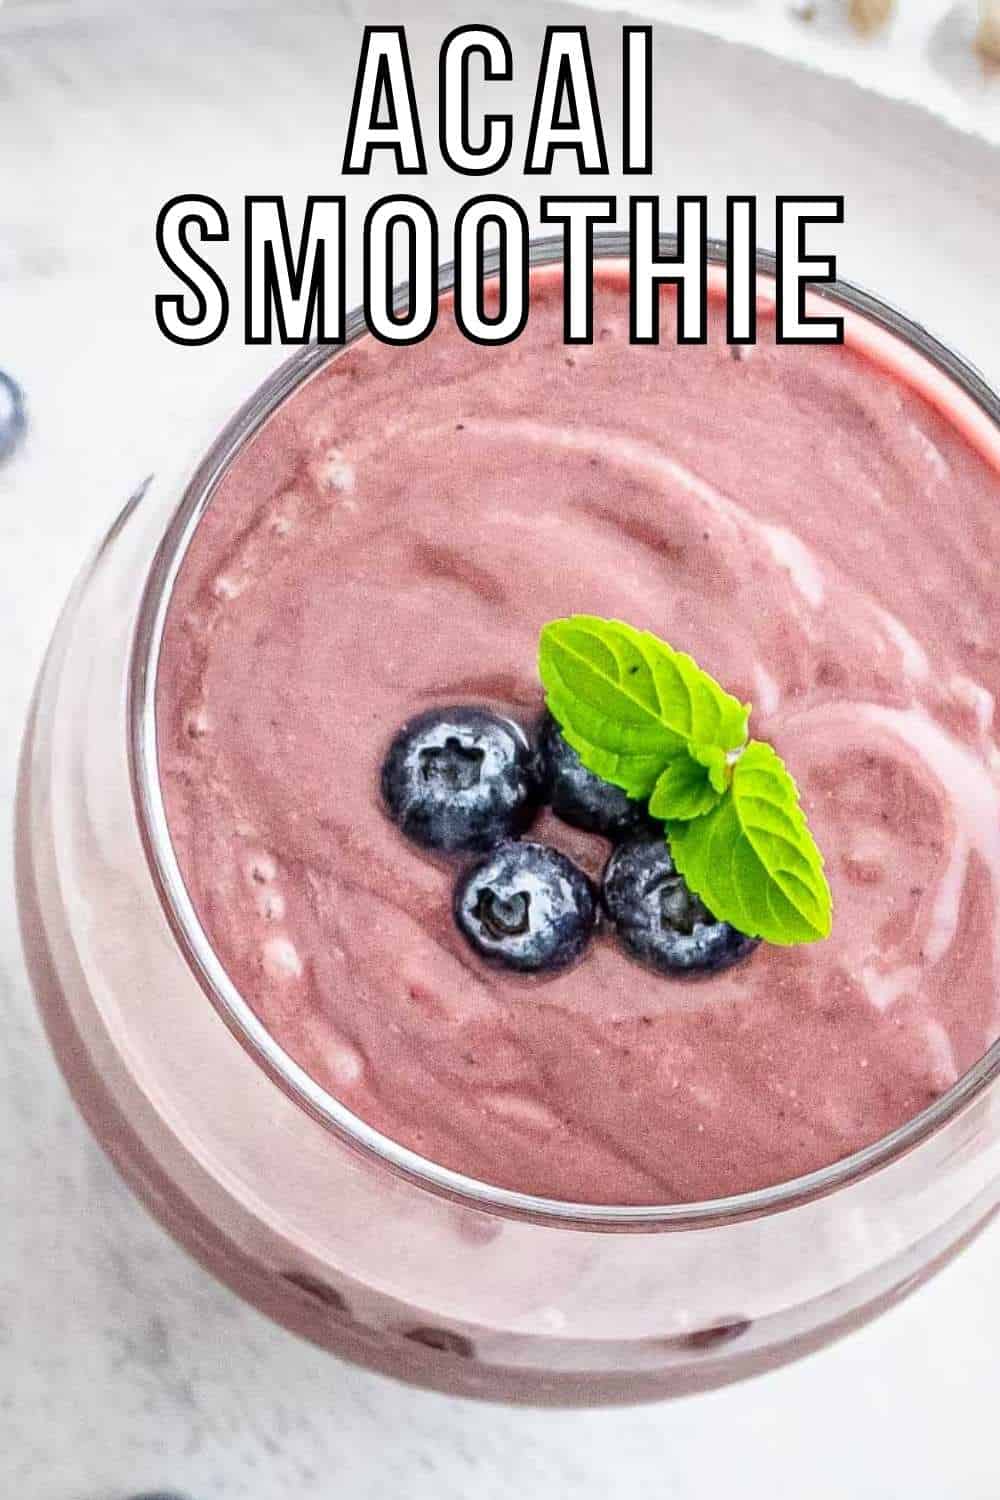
{"type": "Point", "coordinates": [193, 941]}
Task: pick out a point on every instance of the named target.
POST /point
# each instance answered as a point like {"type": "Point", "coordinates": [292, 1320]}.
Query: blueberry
{"type": "Point", "coordinates": [460, 779]}
{"type": "Point", "coordinates": [659, 920]}
{"type": "Point", "coordinates": [578, 796]}
{"type": "Point", "coordinates": [526, 906]}
{"type": "Point", "coordinates": [12, 415]}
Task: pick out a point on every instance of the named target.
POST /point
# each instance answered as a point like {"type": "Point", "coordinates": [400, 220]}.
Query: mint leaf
{"type": "Point", "coordinates": [629, 704]}
{"type": "Point", "coordinates": [684, 790]}
{"type": "Point", "coordinates": [715, 762]}
{"type": "Point", "coordinates": [752, 859]}
{"type": "Point", "coordinates": [628, 769]}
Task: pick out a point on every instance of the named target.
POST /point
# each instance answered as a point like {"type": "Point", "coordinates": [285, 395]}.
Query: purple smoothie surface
{"type": "Point", "coordinates": [817, 532]}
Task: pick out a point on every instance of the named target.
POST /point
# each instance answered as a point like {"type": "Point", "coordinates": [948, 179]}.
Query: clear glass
{"type": "Point", "coordinates": [339, 1233]}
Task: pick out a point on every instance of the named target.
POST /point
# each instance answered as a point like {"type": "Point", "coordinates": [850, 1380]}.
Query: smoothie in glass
{"type": "Point", "coordinates": [815, 525]}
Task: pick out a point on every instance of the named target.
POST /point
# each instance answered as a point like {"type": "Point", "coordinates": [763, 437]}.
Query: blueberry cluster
{"type": "Point", "coordinates": [467, 781]}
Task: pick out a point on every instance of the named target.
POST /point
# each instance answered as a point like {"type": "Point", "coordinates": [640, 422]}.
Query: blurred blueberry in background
{"type": "Point", "coordinates": [12, 415]}
{"type": "Point", "coordinates": [158, 1495]}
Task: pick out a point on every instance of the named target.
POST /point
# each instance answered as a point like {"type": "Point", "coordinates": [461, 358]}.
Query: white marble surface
{"type": "Point", "coordinates": [122, 1365]}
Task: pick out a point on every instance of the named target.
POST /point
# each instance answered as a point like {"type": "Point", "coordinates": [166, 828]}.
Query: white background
{"type": "Point", "coordinates": [122, 1365]}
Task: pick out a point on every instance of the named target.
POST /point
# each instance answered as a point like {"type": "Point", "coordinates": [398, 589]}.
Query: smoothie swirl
{"type": "Point", "coordinates": [810, 527]}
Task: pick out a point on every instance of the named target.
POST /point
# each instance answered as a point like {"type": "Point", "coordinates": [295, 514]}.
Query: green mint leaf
{"type": "Point", "coordinates": [752, 859]}
{"type": "Point", "coordinates": [628, 703]}
{"type": "Point", "coordinates": [633, 770]}
{"type": "Point", "coordinates": [716, 763]}
{"type": "Point", "coordinates": [684, 790]}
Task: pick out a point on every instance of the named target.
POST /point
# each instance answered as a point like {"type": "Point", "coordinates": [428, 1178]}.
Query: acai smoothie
{"type": "Point", "coordinates": [817, 526]}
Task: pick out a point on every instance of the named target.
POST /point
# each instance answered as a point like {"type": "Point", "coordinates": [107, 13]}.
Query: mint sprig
{"type": "Point", "coordinates": [647, 718]}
